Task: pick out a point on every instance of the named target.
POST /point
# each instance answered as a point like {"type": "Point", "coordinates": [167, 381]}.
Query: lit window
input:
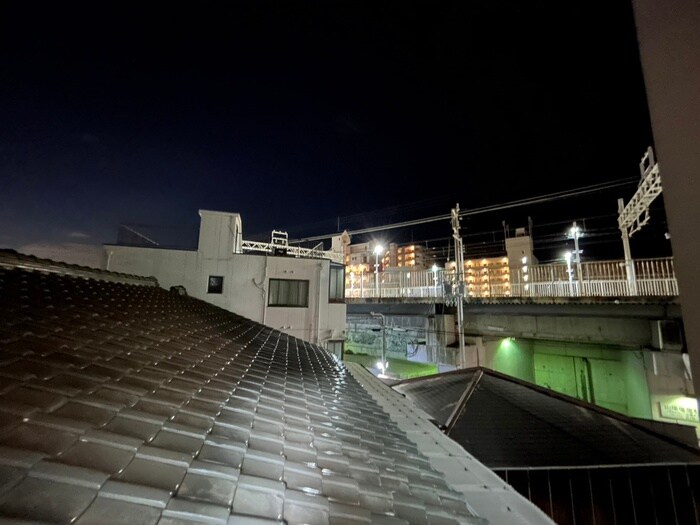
{"type": "Point", "coordinates": [288, 292]}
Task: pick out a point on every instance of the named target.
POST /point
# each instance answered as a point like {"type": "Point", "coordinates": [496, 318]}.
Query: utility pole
{"type": "Point", "coordinates": [629, 263]}
{"type": "Point", "coordinates": [459, 261]}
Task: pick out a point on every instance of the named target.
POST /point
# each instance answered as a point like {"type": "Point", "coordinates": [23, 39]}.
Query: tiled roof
{"type": "Point", "coordinates": [507, 423]}
{"type": "Point", "coordinates": [13, 259]}
{"type": "Point", "coordinates": [132, 404]}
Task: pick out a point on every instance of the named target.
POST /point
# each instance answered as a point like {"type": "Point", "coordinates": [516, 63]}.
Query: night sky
{"type": "Point", "coordinates": [300, 115]}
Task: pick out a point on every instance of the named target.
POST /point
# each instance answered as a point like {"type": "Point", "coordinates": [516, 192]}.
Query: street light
{"type": "Point", "coordinates": [378, 250]}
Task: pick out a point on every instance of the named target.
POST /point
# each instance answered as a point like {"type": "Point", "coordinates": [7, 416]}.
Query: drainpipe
{"type": "Point", "coordinates": [263, 292]}
{"type": "Point", "coordinates": [318, 303]}
{"type": "Point", "coordinates": [383, 320]}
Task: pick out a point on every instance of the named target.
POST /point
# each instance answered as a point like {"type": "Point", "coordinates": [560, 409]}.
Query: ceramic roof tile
{"type": "Point", "coordinates": [131, 402]}
{"type": "Point", "coordinates": [343, 514]}
{"type": "Point", "coordinates": [58, 502]}
{"type": "Point", "coordinates": [154, 474]}
{"type": "Point", "coordinates": [133, 493]}
{"type": "Point", "coordinates": [38, 438]}
{"type": "Point", "coordinates": [118, 512]}
{"type": "Point", "coordinates": [10, 476]}
{"type": "Point", "coordinates": [102, 457]}
{"type": "Point", "coordinates": [209, 486]}
{"type": "Point", "coordinates": [301, 507]}
{"type": "Point", "coordinates": [260, 497]}
{"type": "Point", "coordinates": [196, 511]}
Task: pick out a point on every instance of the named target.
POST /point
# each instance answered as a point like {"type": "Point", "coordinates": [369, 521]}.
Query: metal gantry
{"type": "Point", "coordinates": [279, 244]}
{"type": "Point", "coordinates": [633, 216]}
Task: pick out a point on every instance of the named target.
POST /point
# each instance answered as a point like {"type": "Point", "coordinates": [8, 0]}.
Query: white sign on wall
{"type": "Point", "coordinates": [679, 410]}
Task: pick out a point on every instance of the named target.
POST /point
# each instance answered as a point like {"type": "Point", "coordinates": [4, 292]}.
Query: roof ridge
{"type": "Point", "coordinates": [12, 259]}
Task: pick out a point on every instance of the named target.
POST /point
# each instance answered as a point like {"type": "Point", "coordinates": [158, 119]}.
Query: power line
{"type": "Point", "coordinates": [485, 209]}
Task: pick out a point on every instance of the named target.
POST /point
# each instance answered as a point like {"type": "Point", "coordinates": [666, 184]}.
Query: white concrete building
{"type": "Point", "coordinates": [303, 297]}
{"type": "Point", "coordinates": [519, 249]}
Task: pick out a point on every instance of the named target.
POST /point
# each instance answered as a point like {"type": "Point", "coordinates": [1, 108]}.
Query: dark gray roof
{"type": "Point", "coordinates": [131, 404]}
{"type": "Point", "coordinates": [506, 423]}
{"type": "Point", "coordinates": [13, 259]}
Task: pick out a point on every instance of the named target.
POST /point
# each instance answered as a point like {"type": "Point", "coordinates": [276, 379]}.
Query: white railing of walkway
{"type": "Point", "coordinates": [654, 278]}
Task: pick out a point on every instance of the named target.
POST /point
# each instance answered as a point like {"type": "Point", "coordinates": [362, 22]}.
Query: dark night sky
{"type": "Point", "coordinates": [295, 113]}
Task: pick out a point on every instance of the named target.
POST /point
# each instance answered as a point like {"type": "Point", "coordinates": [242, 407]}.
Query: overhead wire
{"type": "Point", "coordinates": [576, 192]}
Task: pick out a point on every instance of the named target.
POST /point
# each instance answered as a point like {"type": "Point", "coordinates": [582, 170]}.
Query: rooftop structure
{"type": "Point", "coordinates": [123, 402]}
{"type": "Point", "coordinates": [279, 245]}
{"type": "Point", "coordinates": [296, 290]}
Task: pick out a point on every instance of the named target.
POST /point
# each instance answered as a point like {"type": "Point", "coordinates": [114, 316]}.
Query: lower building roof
{"type": "Point", "coordinates": [508, 423]}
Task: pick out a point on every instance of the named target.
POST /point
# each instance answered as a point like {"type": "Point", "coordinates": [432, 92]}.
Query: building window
{"type": "Point", "coordinates": [288, 292]}
{"type": "Point", "coordinates": [215, 284]}
{"type": "Point", "coordinates": [336, 292]}
{"type": "Point", "coordinates": [336, 347]}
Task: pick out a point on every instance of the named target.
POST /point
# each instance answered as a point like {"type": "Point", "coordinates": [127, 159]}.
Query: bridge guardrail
{"type": "Point", "coordinates": [653, 278]}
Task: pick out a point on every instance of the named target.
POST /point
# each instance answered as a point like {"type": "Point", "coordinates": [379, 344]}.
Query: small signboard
{"type": "Point", "coordinates": [679, 411]}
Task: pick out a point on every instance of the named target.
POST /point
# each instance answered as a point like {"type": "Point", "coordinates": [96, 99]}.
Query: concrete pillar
{"type": "Point", "coordinates": [638, 399]}
{"type": "Point", "coordinates": [669, 42]}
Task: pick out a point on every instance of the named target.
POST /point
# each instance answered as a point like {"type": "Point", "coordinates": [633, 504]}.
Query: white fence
{"type": "Point", "coordinates": [653, 278]}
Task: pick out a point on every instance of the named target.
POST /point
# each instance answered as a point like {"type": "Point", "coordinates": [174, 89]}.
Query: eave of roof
{"type": "Point", "coordinates": [485, 491]}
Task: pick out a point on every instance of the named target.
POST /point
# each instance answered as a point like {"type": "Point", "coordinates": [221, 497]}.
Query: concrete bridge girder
{"type": "Point", "coordinates": [624, 324]}
{"type": "Point", "coordinates": [614, 331]}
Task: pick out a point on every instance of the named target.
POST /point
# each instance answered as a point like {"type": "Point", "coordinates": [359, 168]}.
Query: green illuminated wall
{"type": "Point", "coordinates": [611, 377]}
{"type": "Point", "coordinates": [513, 357]}
{"type": "Point", "coordinates": [593, 373]}
{"type": "Point", "coordinates": [638, 396]}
